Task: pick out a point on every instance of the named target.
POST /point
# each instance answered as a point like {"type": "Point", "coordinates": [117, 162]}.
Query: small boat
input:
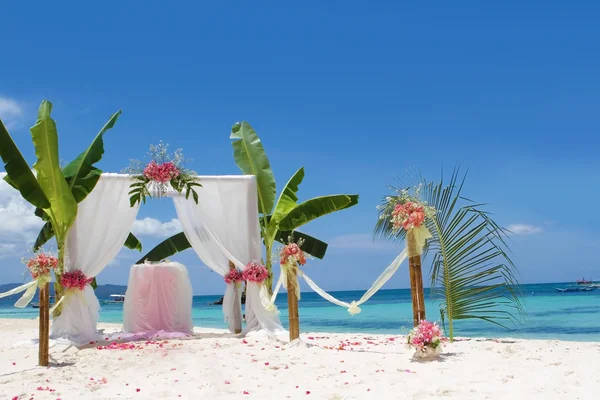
{"type": "Point", "coordinates": [583, 282]}
{"type": "Point", "coordinates": [114, 299]}
{"type": "Point", "coordinates": [575, 289]}
{"type": "Point", "coordinates": [37, 305]}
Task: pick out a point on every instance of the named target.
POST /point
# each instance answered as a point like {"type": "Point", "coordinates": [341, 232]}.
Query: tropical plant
{"type": "Point", "coordinates": [471, 271]}
{"type": "Point", "coordinates": [55, 192]}
{"type": "Point", "coordinates": [279, 220]}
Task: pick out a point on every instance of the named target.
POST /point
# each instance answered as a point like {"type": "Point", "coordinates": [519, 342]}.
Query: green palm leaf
{"type": "Point", "coordinates": [19, 174]}
{"type": "Point", "coordinates": [471, 272]}
{"type": "Point", "coordinates": [250, 157]}
{"type": "Point", "coordinates": [133, 243]}
{"type": "Point", "coordinates": [63, 207]}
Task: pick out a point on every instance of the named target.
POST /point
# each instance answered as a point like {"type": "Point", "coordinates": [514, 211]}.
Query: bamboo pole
{"type": "Point", "coordinates": [416, 280]}
{"type": "Point", "coordinates": [237, 305]}
{"type": "Point", "coordinates": [44, 325]}
{"type": "Point", "coordinates": [292, 282]}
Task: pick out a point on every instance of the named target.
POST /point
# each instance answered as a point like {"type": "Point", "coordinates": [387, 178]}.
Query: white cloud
{"type": "Point", "coordinates": [360, 242]}
{"type": "Point", "coordinates": [18, 223]}
{"type": "Point", "coordinates": [7, 250]}
{"type": "Point", "coordinates": [524, 229]}
{"type": "Point", "coordinates": [153, 227]}
{"type": "Point", "coordinates": [10, 111]}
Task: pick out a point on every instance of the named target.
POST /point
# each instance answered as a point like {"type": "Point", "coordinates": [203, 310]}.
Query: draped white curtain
{"type": "Point", "coordinates": [223, 227]}
{"type": "Point", "coordinates": [104, 219]}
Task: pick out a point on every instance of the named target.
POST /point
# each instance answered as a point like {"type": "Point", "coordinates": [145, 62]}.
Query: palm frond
{"type": "Point", "coordinates": [471, 270]}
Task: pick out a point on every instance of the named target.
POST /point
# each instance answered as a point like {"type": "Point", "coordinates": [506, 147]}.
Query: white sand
{"type": "Point", "coordinates": [216, 365]}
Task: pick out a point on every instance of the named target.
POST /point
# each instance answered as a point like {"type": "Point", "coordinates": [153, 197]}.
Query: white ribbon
{"type": "Point", "coordinates": [29, 288]}
{"type": "Point", "coordinates": [420, 234]}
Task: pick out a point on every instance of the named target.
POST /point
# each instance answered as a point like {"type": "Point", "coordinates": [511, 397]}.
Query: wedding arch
{"type": "Point", "coordinates": [222, 228]}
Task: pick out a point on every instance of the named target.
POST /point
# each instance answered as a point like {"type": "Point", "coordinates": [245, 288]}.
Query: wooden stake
{"type": "Point", "coordinates": [416, 280]}
{"type": "Point", "coordinates": [292, 282]}
{"type": "Point", "coordinates": [238, 322]}
{"type": "Point", "coordinates": [44, 325]}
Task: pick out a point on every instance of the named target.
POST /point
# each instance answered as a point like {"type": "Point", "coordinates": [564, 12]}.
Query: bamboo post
{"type": "Point", "coordinates": [44, 324]}
{"type": "Point", "coordinates": [292, 282]}
{"type": "Point", "coordinates": [237, 305]}
{"type": "Point", "coordinates": [416, 280]}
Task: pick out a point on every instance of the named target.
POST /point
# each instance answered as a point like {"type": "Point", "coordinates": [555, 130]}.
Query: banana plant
{"type": "Point", "coordinates": [82, 178]}
{"type": "Point", "coordinates": [47, 189]}
{"type": "Point", "coordinates": [80, 175]}
{"type": "Point", "coordinates": [471, 271]}
{"type": "Point", "coordinates": [279, 220]}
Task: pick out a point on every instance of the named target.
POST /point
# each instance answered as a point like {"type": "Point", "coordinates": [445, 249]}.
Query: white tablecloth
{"type": "Point", "coordinates": [158, 298]}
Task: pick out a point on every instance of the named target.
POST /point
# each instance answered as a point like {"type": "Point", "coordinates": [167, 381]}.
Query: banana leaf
{"type": "Point", "coordinates": [45, 234]}
{"type": "Point", "coordinates": [19, 174]}
{"type": "Point", "coordinates": [287, 199]}
{"type": "Point", "coordinates": [63, 207]}
{"type": "Point", "coordinates": [133, 243]}
{"type": "Point", "coordinates": [315, 208]}
{"type": "Point", "coordinates": [81, 173]}
{"type": "Point", "coordinates": [167, 248]}
{"type": "Point", "coordinates": [250, 157]}
{"type": "Point", "coordinates": [177, 243]}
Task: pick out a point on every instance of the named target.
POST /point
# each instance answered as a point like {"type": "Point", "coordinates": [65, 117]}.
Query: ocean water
{"type": "Point", "coordinates": [550, 315]}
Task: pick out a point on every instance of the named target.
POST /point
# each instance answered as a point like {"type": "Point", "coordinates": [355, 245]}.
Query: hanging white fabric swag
{"type": "Point", "coordinates": [103, 222]}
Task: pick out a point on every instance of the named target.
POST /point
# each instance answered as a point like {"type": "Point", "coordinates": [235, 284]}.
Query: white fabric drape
{"type": "Point", "coordinates": [223, 226]}
{"type": "Point", "coordinates": [104, 219]}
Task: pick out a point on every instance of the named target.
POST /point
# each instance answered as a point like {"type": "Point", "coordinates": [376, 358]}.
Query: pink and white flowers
{"type": "Point", "coordinates": [426, 339]}
{"type": "Point", "coordinates": [41, 265]}
{"type": "Point", "coordinates": [161, 173]}
{"type": "Point", "coordinates": [75, 280]}
{"type": "Point", "coordinates": [408, 215]}
{"type": "Point", "coordinates": [291, 254]}
{"type": "Point", "coordinates": [255, 272]}
{"type": "Point", "coordinates": [233, 276]}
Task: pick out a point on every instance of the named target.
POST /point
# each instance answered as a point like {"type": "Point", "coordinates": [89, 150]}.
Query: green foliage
{"type": "Point", "coordinates": [471, 273]}
{"type": "Point", "coordinates": [63, 206]}
{"type": "Point", "coordinates": [278, 222]}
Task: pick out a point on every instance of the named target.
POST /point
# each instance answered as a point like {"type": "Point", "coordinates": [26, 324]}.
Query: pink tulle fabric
{"type": "Point", "coordinates": [158, 298]}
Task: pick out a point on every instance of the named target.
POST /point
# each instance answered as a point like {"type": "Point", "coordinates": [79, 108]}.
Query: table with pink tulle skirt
{"type": "Point", "coordinates": [159, 298]}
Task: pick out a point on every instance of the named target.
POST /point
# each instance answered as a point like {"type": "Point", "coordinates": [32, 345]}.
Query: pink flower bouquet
{"type": "Point", "coordinates": [161, 173]}
{"type": "Point", "coordinates": [426, 339]}
{"type": "Point", "coordinates": [255, 272]}
{"type": "Point", "coordinates": [291, 254]}
{"type": "Point", "coordinates": [408, 215]}
{"type": "Point", "coordinates": [41, 265]}
{"type": "Point", "coordinates": [75, 280]}
{"type": "Point", "coordinates": [234, 275]}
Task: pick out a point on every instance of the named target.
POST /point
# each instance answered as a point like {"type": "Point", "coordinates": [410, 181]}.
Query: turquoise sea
{"type": "Point", "coordinates": [550, 315]}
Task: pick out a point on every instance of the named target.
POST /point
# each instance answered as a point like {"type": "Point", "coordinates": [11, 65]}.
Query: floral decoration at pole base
{"type": "Point", "coordinates": [427, 339]}
{"type": "Point", "coordinates": [73, 282]}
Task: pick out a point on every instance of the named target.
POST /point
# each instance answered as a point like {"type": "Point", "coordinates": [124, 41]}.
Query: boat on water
{"type": "Point", "coordinates": [114, 299]}
{"type": "Point", "coordinates": [584, 282]}
{"type": "Point", "coordinates": [576, 289]}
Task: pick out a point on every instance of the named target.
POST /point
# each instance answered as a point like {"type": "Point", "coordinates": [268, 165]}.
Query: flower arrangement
{"type": "Point", "coordinates": [233, 276]}
{"type": "Point", "coordinates": [41, 265]}
{"type": "Point", "coordinates": [75, 280]}
{"type": "Point", "coordinates": [426, 339]}
{"type": "Point", "coordinates": [406, 210]}
{"type": "Point", "coordinates": [255, 272]}
{"type": "Point", "coordinates": [163, 172]}
{"type": "Point", "coordinates": [291, 254]}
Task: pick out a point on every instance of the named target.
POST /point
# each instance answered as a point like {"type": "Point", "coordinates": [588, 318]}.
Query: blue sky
{"type": "Point", "coordinates": [355, 92]}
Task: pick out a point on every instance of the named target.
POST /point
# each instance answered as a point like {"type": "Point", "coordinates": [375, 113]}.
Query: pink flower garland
{"type": "Point", "coordinates": [234, 275]}
{"type": "Point", "coordinates": [255, 272]}
{"type": "Point", "coordinates": [162, 173]}
{"type": "Point", "coordinates": [75, 280]}
{"type": "Point", "coordinates": [291, 253]}
{"type": "Point", "coordinates": [41, 264]}
{"type": "Point", "coordinates": [408, 215]}
{"type": "Point", "coordinates": [426, 334]}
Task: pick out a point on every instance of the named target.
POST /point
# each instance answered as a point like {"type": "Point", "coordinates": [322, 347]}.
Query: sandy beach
{"type": "Point", "coordinates": [217, 365]}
